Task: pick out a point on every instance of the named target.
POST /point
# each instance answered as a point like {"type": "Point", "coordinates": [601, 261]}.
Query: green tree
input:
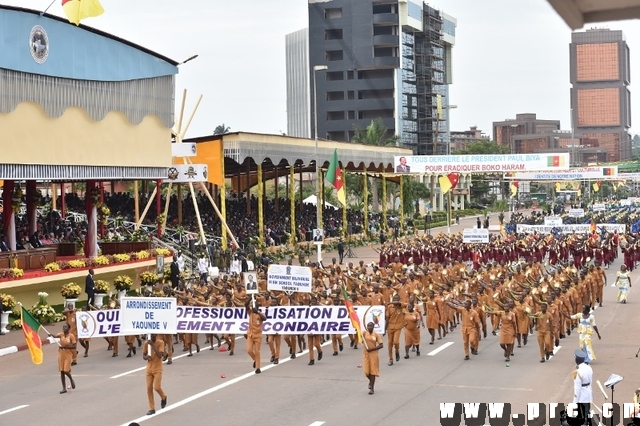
{"type": "Point", "coordinates": [376, 133]}
{"type": "Point", "coordinates": [413, 192]}
{"type": "Point", "coordinates": [221, 129]}
{"type": "Point", "coordinates": [635, 147]}
{"type": "Point", "coordinates": [481, 182]}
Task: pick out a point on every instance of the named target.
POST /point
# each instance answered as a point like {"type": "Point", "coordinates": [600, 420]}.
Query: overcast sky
{"type": "Point", "coordinates": [511, 56]}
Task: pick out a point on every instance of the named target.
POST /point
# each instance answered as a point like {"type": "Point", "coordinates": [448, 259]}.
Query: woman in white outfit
{"type": "Point", "coordinates": [623, 281]}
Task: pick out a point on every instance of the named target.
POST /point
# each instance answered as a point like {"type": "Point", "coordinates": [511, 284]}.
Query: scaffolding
{"type": "Point", "coordinates": [429, 57]}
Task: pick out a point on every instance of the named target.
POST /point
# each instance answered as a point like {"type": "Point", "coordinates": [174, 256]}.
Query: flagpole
{"type": "Point", "coordinates": [45, 11]}
{"type": "Point", "coordinates": [449, 218]}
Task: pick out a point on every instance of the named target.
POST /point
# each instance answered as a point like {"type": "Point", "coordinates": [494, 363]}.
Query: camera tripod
{"type": "Point", "coordinates": [350, 254]}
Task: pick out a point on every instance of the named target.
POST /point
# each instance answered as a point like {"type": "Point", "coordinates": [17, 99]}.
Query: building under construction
{"type": "Point", "coordinates": [385, 60]}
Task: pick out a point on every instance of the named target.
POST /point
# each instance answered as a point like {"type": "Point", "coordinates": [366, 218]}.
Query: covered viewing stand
{"type": "Point", "coordinates": [251, 159]}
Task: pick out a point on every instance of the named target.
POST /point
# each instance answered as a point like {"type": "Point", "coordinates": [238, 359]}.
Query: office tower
{"type": "Point", "coordinates": [600, 98]}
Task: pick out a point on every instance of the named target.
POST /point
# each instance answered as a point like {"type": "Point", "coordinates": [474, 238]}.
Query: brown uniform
{"type": "Point", "coordinates": [470, 323]}
{"type": "Point", "coordinates": [395, 321]}
{"type": "Point", "coordinates": [544, 326]}
{"type": "Point", "coordinates": [154, 371]}
{"type": "Point", "coordinates": [254, 337]}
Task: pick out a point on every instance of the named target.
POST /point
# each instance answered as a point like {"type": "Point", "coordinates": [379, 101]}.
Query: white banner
{"type": "Point", "coordinates": [184, 149]}
{"type": "Point", "coordinates": [141, 315]}
{"type": "Point", "coordinates": [581, 173]}
{"type": "Point", "coordinates": [185, 173]}
{"type": "Point", "coordinates": [568, 229]}
{"type": "Point", "coordinates": [625, 202]}
{"type": "Point", "coordinates": [553, 221]}
{"type": "Point", "coordinates": [475, 236]}
{"type": "Point", "coordinates": [632, 176]}
{"type": "Point", "coordinates": [599, 207]}
{"type": "Point", "coordinates": [280, 320]}
{"type": "Point", "coordinates": [485, 163]}
{"type": "Point", "coordinates": [576, 212]}
{"type": "Point", "coordinates": [289, 278]}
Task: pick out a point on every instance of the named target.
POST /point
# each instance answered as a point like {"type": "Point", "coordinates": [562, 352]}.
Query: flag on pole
{"type": "Point", "coordinates": [30, 328]}
{"type": "Point", "coordinates": [77, 10]}
{"type": "Point", "coordinates": [596, 186]}
{"type": "Point", "coordinates": [334, 177]}
{"type": "Point", "coordinates": [448, 182]}
{"type": "Point", "coordinates": [353, 316]}
{"type": "Point", "coordinates": [514, 188]}
{"type": "Point", "coordinates": [592, 227]}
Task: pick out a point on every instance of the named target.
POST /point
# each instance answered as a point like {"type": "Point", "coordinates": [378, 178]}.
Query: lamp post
{"type": "Point", "coordinates": [319, 202]}
{"type": "Point", "coordinates": [315, 134]}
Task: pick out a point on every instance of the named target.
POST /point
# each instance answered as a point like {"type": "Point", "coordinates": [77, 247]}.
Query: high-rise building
{"type": "Point", "coordinates": [509, 132]}
{"type": "Point", "coordinates": [297, 66]}
{"type": "Point", "coordinates": [600, 98]}
{"type": "Point", "coordinates": [385, 60]}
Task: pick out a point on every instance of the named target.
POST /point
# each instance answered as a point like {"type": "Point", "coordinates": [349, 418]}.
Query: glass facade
{"type": "Point", "coordinates": [599, 107]}
{"type": "Point", "coordinates": [597, 62]}
{"type": "Point", "coordinates": [449, 27]}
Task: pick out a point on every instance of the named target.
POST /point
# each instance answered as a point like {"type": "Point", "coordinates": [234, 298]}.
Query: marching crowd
{"type": "Point", "coordinates": [513, 287]}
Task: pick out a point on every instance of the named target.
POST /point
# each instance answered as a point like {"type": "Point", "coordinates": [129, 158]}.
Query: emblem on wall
{"type": "Point", "coordinates": [39, 44]}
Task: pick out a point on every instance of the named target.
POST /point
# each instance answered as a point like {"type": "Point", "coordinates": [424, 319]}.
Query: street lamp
{"type": "Point", "coordinates": [315, 134]}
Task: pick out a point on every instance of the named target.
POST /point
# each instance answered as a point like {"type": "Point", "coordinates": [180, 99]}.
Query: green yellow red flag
{"type": "Point", "coordinates": [353, 316]}
{"type": "Point", "coordinates": [30, 328]}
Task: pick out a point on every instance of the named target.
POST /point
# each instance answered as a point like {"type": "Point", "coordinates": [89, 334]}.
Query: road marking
{"type": "Point", "coordinates": [218, 387]}
{"type": "Point", "coordinates": [318, 423]}
{"type": "Point", "coordinates": [441, 348]}
{"type": "Point", "coordinates": [117, 376]}
{"type": "Point", "coordinates": [12, 409]}
{"type": "Point", "coordinates": [484, 387]}
{"type": "Point", "coordinates": [556, 349]}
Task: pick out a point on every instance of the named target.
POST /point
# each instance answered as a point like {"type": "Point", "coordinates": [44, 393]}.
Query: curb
{"type": "Point", "coordinates": [13, 349]}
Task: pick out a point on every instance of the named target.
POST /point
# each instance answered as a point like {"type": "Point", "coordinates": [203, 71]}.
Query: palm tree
{"type": "Point", "coordinates": [376, 133]}
{"type": "Point", "coordinates": [221, 129]}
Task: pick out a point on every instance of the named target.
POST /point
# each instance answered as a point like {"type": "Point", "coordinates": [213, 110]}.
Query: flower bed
{"type": "Point", "coordinates": [62, 266]}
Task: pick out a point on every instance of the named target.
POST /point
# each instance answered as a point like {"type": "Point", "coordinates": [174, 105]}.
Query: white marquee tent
{"type": "Point", "coordinates": [312, 199]}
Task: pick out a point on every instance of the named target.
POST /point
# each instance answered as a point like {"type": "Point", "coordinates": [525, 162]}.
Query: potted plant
{"type": "Point", "coordinates": [148, 279]}
{"type": "Point", "coordinates": [8, 303]}
{"type": "Point", "coordinates": [122, 284]}
{"type": "Point", "coordinates": [42, 311]}
{"type": "Point", "coordinates": [71, 292]}
{"type": "Point", "coordinates": [101, 288]}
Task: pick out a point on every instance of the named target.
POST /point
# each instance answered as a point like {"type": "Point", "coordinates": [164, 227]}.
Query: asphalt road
{"type": "Point", "coordinates": [111, 391]}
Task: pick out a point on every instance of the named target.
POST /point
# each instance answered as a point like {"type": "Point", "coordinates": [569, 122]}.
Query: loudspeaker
{"type": "Point", "coordinates": [349, 229]}
{"type": "Point", "coordinates": [192, 245]}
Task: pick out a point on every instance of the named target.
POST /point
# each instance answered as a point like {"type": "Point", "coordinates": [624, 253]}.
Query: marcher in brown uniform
{"type": "Point", "coordinates": [412, 324]}
{"type": "Point", "coordinates": [508, 329]}
{"type": "Point", "coordinates": [313, 340]}
{"type": "Point", "coordinates": [393, 326]}
{"type": "Point", "coordinates": [70, 316]}
{"type": "Point", "coordinates": [168, 346]}
{"type": "Point", "coordinates": [470, 322]}
{"type": "Point", "coordinates": [254, 333]}
{"type": "Point", "coordinates": [66, 347]}
{"type": "Point", "coordinates": [155, 347]}
{"type": "Point", "coordinates": [544, 326]}
{"type": "Point", "coordinates": [274, 340]}
{"type": "Point", "coordinates": [370, 358]}
{"type": "Point", "coordinates": [433, 316]}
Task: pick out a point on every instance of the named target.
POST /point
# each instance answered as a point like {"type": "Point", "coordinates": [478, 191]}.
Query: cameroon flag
{"type": "Point", "coordinates": [448, 182]}
{"type": "Point", "coordinates": [555, 161]}
{"type": "Point", "coordinates": [353, 316]}
{"type": "Point", "coordinates": [30, 328]}
{"type": "Point", "coordinates": [334, 177]}
{"type": "Point", "coordinates": [514, 188]}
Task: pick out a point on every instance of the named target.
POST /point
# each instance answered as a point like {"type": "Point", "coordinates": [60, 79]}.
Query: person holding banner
{"type": "Point", "coordinates": [370, 359]}
{"type": "Point", "coordinates": [254, 334]}
{"type": "Point", "coordinates": [153, 351]}
{"type": "Point", "coordinates": [274, 340]}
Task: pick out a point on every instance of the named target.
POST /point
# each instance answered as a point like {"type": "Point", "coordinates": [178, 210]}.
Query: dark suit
{"type": "Point", "coordinates": [403, 169]}
{"type": "Point", "coordinates": [175, 274]}
{"type": "Point", "coordinates": [341, 250]}
{"type": "Point", "coordinates": [89, 288]}
{"type": "Point", "coordinates": [4, 246]}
